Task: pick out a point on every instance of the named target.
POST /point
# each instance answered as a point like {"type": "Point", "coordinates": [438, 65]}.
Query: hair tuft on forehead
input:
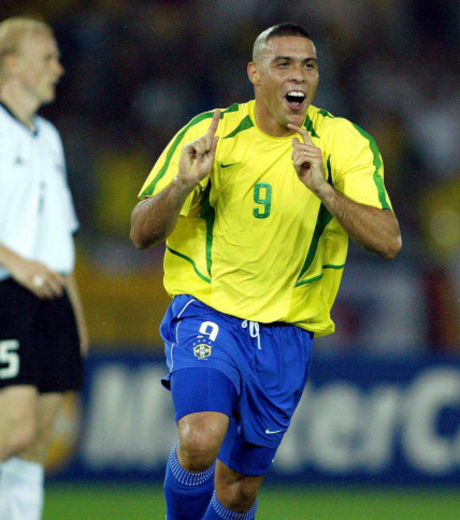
{"type": "Point", "coordinates": [282, 29]}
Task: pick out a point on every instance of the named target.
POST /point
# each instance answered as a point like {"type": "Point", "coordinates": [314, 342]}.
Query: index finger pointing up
{"type": "Point", "coordinates": [303, 132]}
{"type": "Point", "coordinates": [214, 123]}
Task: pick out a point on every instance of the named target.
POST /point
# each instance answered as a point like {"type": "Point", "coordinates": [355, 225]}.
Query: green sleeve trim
{"type": "Point", "coordinates": [325, 113]}
{"type": "Point", "coordinates": [180, 136]}
{"type": "Point", "coordinates": [185, 257]}
{"type": "Point", "coordinates": [233, 108]}
{"type": "Point", "coordinates": [208, 213]}
{"type": "Point", "coordinates": [324, 217]}
{"type": "Point", "coordinates": [309, 280]}
{"type": "Point", "coordinates": [314, 278]}
{"type": "Point", "coordinates": [378, 179]}
{"type": "Point", "coordinates": [309, 126]}
{"type": "Point", "coordinates": [245, 124]}
{"type": "Point", "coordinates": [309, 123]}
{"type": "Point", "coordinates": [333, 266]}
{"type": "Point", "coordinates": [151, 187]}
{"type": "Point", "coordinates": [329, 171]}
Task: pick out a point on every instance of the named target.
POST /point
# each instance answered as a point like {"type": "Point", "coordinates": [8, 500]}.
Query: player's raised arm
{"type": "Point", "coordinates": [374, 229]}
{"type": "Point", "coordinates": [154, 219]}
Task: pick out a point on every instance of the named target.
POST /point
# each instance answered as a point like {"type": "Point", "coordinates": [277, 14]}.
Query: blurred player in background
{"type": "Point", "coordinates": [42, 329]}
{"type": "Point", "coordinates": [256, 203]}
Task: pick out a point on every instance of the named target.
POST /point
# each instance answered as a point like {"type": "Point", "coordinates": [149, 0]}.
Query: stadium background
{"type": "Point", "coordinates": [136, 72]}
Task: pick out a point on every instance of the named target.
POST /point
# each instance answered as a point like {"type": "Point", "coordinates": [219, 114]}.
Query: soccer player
{"type": "Point", "coordinates": [42, 327]}
{"type": "Point", "coordinates": [256, 203]}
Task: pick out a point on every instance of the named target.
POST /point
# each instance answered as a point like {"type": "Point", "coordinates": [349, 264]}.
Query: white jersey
{"type": "Point", "coordinates": [37, 217]}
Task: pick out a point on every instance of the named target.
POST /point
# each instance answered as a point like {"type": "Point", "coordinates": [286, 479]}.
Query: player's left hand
{"type": "Point", "coordinates": [308, 161]}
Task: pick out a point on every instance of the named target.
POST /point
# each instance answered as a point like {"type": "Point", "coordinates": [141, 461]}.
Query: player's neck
{"type": "Point", "coordinates": [21, 106]}
{"type": "Point", "coordinates": [268, 124]}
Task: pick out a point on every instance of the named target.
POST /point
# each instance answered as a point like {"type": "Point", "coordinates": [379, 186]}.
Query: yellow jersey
{"type": "Point", "coordinates": [252, 240]}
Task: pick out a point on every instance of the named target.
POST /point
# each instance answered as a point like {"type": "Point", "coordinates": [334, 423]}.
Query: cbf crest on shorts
{"type": "Point", "coordinates": [202, 351]}
{"type": "Point", "coordinates": [202, 347]}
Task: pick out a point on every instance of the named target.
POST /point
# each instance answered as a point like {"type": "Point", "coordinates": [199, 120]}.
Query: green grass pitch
{"type": "Point", "coordinates": [121, 501]}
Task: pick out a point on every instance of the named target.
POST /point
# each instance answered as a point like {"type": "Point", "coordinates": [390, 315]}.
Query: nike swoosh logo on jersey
{"type": "Point", "coordinates": [222, 165]}
{"type": "Point", "coordinates": [271, 432]}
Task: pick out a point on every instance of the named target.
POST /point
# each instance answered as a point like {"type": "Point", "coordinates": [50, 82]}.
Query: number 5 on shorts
{"type": "Point", "coordinates": [9, 357]}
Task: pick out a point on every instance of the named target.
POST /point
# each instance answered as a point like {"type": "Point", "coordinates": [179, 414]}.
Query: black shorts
{"type": "Point", "coordinates": [39, 343]}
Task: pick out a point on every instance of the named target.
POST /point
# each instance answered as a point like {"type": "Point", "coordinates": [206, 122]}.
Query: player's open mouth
{"type": "Point", "coordinates": [295, 99]}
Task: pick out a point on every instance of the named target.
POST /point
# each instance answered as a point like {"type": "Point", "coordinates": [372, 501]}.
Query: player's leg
{"type": "Point", "coordinates": [19, 310]}
{"type": "Point", "coordinates": [22, 474]}
{"type": "Point", "coordinates": [235, 495]}
{"type": "Point", "coordinates": [48, 405]}
{"type": "Point", "coordinates": [200, 437]}
{"type": "Point", "coordinates": [61, 370]}
{"type": "Point", "coordinates": [240, 471]}
{"type": "Point", "coordinates": [270, 391]}
{"type": "Point", "coordinates": [18, 419]}
{"type": "Point", "coordinates": [45, 359]}
{"type": "Point", "coordinates": [189, 480]}
{"type": "Point", "coordinates": [21, 481]}
{"type": "Point", "coordinates": [203, 383]}
{"type": "Point", "coordinates": [19, 369]}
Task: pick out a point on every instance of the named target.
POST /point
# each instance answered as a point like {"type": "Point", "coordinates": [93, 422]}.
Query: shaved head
{"type": "Point", "coordinates": [284, 29]}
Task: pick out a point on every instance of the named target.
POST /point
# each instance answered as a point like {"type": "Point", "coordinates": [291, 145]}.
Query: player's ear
{"type": "Point", "coordinates": [253, 73]}
{"type": "Point", "coordinates": [10, 63]}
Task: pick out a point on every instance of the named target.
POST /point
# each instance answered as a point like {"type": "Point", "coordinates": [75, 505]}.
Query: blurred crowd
{"type": "Point", "coordinates": [137, 71]}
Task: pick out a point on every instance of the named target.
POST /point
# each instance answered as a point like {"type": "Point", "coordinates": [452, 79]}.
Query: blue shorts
{"type": "Point", "coordinates": [266, 364]}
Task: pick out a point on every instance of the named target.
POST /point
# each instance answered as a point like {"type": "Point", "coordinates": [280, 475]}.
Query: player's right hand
{"type": "Point", "coordinates": [198, 156]}
{"type": "Point", "coordinates": [36, 277]}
